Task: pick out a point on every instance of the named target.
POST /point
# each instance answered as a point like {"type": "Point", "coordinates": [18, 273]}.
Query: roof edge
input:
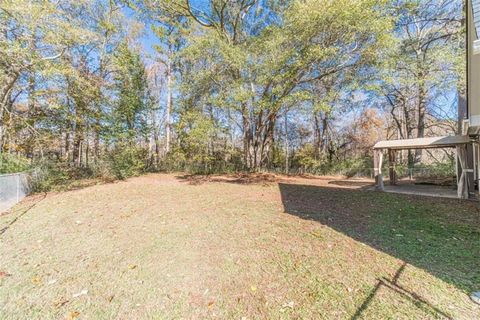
{"type": "Point", "coordinates": [423, 143]}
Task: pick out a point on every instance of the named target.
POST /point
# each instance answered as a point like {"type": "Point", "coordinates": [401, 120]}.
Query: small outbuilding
{"type": "Point", "coordinates": [467, 166]}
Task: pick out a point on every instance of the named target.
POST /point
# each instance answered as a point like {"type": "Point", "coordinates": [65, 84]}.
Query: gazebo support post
{"type": "Point", "coordinates": [377, 168]}
{"type": "Point", "coordinates": [391, 167]}
{"type": "Point", "coordinates": [462, 181]}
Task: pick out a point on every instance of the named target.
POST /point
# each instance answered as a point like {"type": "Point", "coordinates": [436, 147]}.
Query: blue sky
{"type": "Point", "coordinates": [148, 40]}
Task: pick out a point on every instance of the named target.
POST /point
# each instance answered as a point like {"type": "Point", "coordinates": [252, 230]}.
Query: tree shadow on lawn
{"type": "Point", "coordinates": [441, 236]}
{"type": "Point", "coordinates": [34, 201]}
{"type": "Point", "coordinates": [393, 285]}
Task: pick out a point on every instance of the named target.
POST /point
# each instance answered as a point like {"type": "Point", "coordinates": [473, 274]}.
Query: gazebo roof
{"type": "Point", "coordinates": [423, 143]}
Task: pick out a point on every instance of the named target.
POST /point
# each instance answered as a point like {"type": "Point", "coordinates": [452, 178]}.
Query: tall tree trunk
{"type": "Point", "coordinates": [287, 165]}
{"type": "Point", "coordinates": [87, 150]}
{"type": "Point", "coordinates": [78, 136]}
{"type": "Point", "coordinates": [324, 138]}
{"type": "Point", "coordinates": [156, 139]}
{"type": "Point", "coordinates": [169, 107]}
{"type": "Point", "coordinates": [77, 146]}
{"type": "Point", "coordinates": [267, 139]}
{"type": "Point", "coordinates": [32, 112]}
{"type": "Point", "coordinates": [422, 97]}
{"type": "Point", "coordinates": [246, 137]}
{"type": "Point", "coordinates": [408, 129]}
{"type": "Point", "coordinates": [96, 135]}
{"type": "Point", "coordinates": [462, 110]}
{"type": "Point", "coordinates": [316, 138]}
{"type": "Point", "coordinates": [3, 125]}
{"type": "Point", "coordinates": [8, 84]}
{"type": "Point", "coordinates": [67, 145]}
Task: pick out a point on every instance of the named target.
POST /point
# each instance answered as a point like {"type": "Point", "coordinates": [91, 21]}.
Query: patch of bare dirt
{"type": "Point", "coordinates": [239, 178]}
{"type": "Point", "coordinates": [271, 179]}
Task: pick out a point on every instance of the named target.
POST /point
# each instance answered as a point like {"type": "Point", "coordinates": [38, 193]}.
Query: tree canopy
{"type": "Point", "coordinates": [213, 85]}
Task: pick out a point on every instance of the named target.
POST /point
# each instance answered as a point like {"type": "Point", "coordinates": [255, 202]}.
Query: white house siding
{"type": "Point", "coordinates": [474, 65]}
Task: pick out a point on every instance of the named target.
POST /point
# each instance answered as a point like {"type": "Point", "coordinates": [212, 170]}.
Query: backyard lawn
{"type": "Point", "coordinates": [246, 247]}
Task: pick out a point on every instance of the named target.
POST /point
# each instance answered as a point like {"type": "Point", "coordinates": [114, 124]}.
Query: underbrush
{"type": "Point", "coordinates": [119, 164]}
{"type": "Point", "coordinates": [10, 163]}
{"type": "Point", "coordinates": [49, 175]}
{"type": "Point", "coordinates": [428, 171]}
{"type": "Point", "coordinates": [124, 162]}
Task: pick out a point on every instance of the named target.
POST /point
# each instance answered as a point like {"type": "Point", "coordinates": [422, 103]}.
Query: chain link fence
{"type": "Point", "coordinates": [13, 188]}
{"type": "Point", "coordinates": [403, 172]}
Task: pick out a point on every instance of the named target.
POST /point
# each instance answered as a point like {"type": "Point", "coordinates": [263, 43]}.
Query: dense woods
{"type": "Point", "coordinates": [104, 88]}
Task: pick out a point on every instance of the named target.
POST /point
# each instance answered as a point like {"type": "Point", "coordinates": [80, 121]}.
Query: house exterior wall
{"type": "Point", "coordinates": [473, 64]}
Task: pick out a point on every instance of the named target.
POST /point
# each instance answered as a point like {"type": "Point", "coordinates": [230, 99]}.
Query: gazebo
{"type": "Point", "coordinates": [465, 165]}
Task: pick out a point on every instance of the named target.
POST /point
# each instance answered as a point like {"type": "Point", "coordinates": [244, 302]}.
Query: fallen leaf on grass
{"type": "Point", "coordinates": [60, 302]}
{"type": "Point", "coordinates": [210, 304]}
{"type": "Point", "coordinates": [317, 234]}
{"type": "Point", "coordinates": [286, 306]}
{"type": "Point", "coordinates": [73, 315]}
{"type": "Point", "coordinates": [81, 293]}
{"type": "Point", "coordinates": [36, 280]}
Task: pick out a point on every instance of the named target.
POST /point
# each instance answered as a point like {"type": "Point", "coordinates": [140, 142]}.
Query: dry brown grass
{"type": "Point", "coordinates": [226, 247]}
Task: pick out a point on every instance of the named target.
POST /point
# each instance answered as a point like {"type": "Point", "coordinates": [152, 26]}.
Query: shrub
{"type": "Point", "coordinates": [48, 174]}
{"type": "Point", "coordinates": [127, 161]}
{"type": "Point", "coordinates": [305, 159]}
{"type": "Point", "coordinates": [53, 174]}
{"type": "Point", "coordinates": [10, 163]}
{"type": "Point", "coordinates": [102, 169]}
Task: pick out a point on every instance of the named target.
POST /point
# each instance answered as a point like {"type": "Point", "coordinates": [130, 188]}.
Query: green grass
{"type": "Point", "coordinates": [158, 247]}
{"type": "Point", "coordinates": [429, 236]}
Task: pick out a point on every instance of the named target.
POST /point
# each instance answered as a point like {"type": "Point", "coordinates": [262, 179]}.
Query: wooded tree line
{"type": "Point", "coordinates": [119, 87]}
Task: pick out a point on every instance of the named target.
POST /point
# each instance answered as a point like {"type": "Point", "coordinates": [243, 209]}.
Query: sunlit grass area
{"type": "Point", "coordinates": [171, 247]}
